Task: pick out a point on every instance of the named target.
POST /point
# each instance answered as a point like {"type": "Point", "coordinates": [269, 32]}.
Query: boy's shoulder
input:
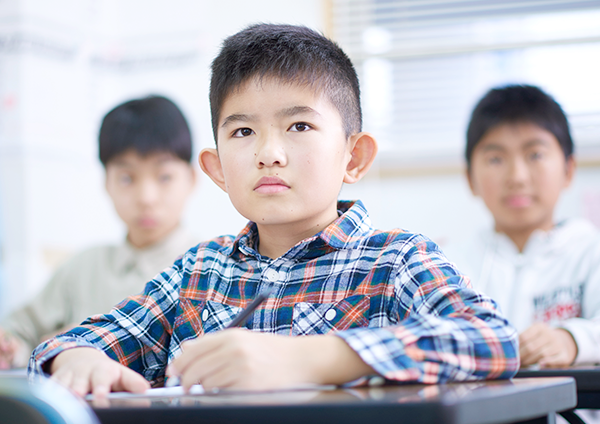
{"type": "Point", "coordinates": [354, 230]}
{"type": "Point", "coordinates": [576, 229]}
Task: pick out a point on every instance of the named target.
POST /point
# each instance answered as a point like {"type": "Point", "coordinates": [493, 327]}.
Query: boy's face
{"type": "Point", "coordinates": [519, 170]}
{"type": "Point", "coordinates": [149, 193]}
{"type": "Point", "coordinates": [283, 155]}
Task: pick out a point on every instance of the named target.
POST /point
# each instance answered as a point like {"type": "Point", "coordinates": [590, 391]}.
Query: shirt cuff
{"type": "Point", "coordinates": [585, 334]}
{"type": "Point", "coordinates": [48, 350]}
{"type": "Point", "coordinates": [383, 352]}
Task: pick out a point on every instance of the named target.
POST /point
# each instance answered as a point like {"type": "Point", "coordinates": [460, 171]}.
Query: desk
{"type": "Point", "coordinates": [586, 377]}
{"type": "Point", "coordinates": [516, 400]}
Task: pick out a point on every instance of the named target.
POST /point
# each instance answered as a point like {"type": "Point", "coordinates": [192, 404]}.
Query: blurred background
{"type": "Point", "coordinates": [423, 64]}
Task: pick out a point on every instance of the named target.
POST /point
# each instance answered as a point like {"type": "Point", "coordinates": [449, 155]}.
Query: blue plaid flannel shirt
{"type": "Point", "coordinates": [392, 296]}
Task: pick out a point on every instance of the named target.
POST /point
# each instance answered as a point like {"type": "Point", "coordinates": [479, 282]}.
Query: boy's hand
{"type": "Point", "coordinates": [547, 346]}
{"type": "Point", "coordinates": [86, 370]}
{"type": "Point", "coordinates": [242, 359]}
{"type": "Point", "coordinates": [9, 346]}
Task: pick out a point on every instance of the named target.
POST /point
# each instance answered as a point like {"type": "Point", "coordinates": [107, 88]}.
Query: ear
{"type": "Point", "coordinates": [193, 178]}
{"type": "Point", "coordinates": [363, 149]}
{"type": "Point", "coordinates": [570, 167]}
{"type": "Point", "coordinates": [106, 185]}
{"type": "Point", "coordinates": [470, 181]}
{"type": "Point", "coordinates": [211, 165]}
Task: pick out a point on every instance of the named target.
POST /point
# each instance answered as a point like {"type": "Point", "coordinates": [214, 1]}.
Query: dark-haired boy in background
{"type": "Point", "coordinates": [286, 117]}
{"type": "Point", "coordinates": [145, 146]}
{"type": "Point", "coordinates": [544, 274]}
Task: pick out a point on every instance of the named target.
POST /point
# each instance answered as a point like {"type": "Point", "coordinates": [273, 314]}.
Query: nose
{"type": "Point", "coordinates": [270, 150]}
{"type": "Point", "coordinates": [518, 172]}
{"type": "Point", "coordinates": [147, 192]}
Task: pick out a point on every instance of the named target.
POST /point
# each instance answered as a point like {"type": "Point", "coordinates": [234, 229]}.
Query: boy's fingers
{"type": "Point", "coordinates": [193, 350]}
{"type": "Point", "coordinates": [102, 380]}
{"type": "Point", "coordinates": [131, 381]}
{"type": "Point", "coordinates": [223, 377]}
{"type": "Point", "coordinates": [530, 352]}
{"type": "Point", "coordinates": [81, 384]}
{"type": "Point", "coordinates": [203, 367]}
{"type": "Point", "coordinates": [63, 378]}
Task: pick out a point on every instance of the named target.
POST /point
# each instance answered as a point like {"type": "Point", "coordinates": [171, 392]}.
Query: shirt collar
{"type": "Point", "coordinates": [346, 232]}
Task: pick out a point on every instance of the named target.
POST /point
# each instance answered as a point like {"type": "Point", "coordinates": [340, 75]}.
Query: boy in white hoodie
{"type": "Point", "coordinates": [545, 275]}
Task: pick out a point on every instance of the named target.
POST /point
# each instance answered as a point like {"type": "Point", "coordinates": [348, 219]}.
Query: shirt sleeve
{"type": "Point", "coordinates": [47, 312]}
{"type": "Point", "coordinates": [586, 329]}
{"type": "Point", "coordinates": [446, 331]}
{"type": "Point", "coordinates": [136, 333]}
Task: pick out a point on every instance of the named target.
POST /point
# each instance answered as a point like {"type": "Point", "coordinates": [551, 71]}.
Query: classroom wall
{"type": "Point", "coordinates": [64, 63]}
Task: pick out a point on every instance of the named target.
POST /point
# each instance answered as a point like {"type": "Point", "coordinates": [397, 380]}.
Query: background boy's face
{"type": "Point", "coordinates": [149, 193]}
{"type": "Point", "coordinates": [283, 154]}
{"type": "Point", "coordinates": [519, 170]}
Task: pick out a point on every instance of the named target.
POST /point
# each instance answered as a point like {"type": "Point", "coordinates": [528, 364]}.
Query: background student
{"type": "Point", "coordinates": [287, 121]}
{"type": "Point", "coordinates": [544, 273]}
{"type": "Point", "coordinates": [145, 146]}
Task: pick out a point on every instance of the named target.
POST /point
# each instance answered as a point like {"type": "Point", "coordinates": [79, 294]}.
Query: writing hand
{"type": "Point", "coordinates": [241, 359]}
{"type": "Point", "coordinates": [547, 346]}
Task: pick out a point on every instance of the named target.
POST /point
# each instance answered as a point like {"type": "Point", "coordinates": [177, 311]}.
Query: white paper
{"type": "Point", "coordinates": [196, 389]}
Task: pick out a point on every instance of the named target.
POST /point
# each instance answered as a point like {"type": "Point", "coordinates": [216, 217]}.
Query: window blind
{"type": "Point", "coordinates": [423, 64]}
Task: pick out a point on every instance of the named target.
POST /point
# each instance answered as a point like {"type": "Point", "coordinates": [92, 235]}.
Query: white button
{"type": "Point", "coordinates": [330, 314]}
{"type": "Point", "coordinates": [205, 315]}
{"type": "Point", "coordinates": [272, 275]}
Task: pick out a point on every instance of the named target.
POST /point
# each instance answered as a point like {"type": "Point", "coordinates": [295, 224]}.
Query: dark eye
{"type": "Point", "coordinates": [300, 127]}
{"type": "Point", "coordinates": [243, 132]}
{"type": "Point", "coordinates": [125, 179]}
{"type": "Point", "coordinates": [536, 156]}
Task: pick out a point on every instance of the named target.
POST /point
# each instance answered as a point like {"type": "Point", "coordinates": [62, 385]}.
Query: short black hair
{"type": "Point", "coordinates": [153, 124]}
{"type": "Point", "coordinates": [293, 54]}
{"type": "Point", "coordinates": [514, 104]}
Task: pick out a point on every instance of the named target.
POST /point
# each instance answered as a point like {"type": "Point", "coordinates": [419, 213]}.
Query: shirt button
{"type": "Point", "coordinates": [272, 275]}
{"type": "Point", "coordinates": [205, 315]}
{"type": "Point", "coordinates": [330, 314]}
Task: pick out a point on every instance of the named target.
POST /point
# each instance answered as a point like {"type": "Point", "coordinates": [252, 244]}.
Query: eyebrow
{"type": "Point", "coordinates": [535, 142]}
{"type": "Point", "coordinates": [492, 148]}
{"type": "Point", "coordinates": [531, 143]}
{"type": "Point", "coordinates": [296, 110]}
{"type": "Point", "coordinates": [237, 117]}
{"type": "Point", "coordinates": [284, 113]}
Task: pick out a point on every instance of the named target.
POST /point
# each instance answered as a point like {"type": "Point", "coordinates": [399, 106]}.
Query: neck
{"type": "Point", "coordinates": [275, 240]}
{"type": "Point", "coordinates": [521, 236]}
{"type": "Point", "coordinates": [142, 239]}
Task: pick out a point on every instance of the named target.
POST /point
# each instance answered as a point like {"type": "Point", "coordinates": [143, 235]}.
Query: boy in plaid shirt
{"type": "Point", "coordinates": [287, 121]}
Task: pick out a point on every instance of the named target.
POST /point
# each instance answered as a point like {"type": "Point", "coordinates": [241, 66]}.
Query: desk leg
{"type": "Point", "coordinates": [549, 419]}
{"type": "Point", "coordinates": [572, 417]}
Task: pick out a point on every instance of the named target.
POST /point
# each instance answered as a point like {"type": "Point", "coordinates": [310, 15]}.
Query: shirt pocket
{"type": "Point", "coordinates": [198, 317]}
{"type": "Point", "coordinates": [216, 316]}
{"type": "Point", "coordinates": [312, 318]}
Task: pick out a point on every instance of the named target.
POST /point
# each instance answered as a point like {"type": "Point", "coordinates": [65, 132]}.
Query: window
{"type": "Point", "coordinates": [423, 64]}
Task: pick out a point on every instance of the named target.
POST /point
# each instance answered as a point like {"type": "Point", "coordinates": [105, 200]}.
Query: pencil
{"type": "Point", "coordinates": [238, 321]}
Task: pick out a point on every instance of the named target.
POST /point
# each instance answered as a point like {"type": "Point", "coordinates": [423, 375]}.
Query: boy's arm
{"type": "Point", "coordinates": [450, 331]}
{"type": "Point", "coordinates": [43, 314]}
{"type": "Point", "coordinates": [585, 330]}
{"type": "Point", "coordinates": [136, 333]}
